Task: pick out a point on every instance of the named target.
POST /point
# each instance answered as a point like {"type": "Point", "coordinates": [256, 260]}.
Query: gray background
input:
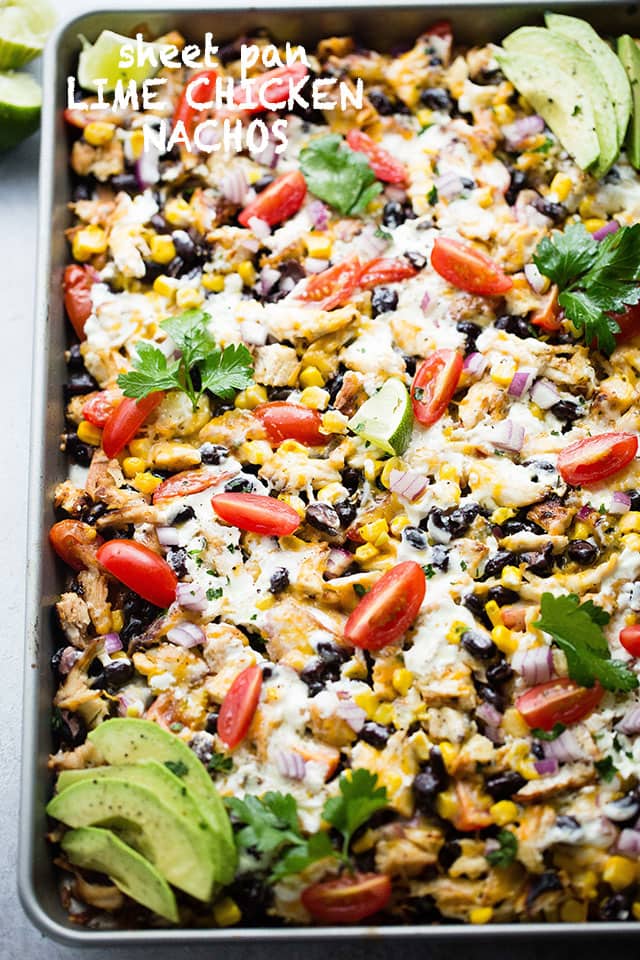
{"type": "Point", "coordinates": [18, 939]}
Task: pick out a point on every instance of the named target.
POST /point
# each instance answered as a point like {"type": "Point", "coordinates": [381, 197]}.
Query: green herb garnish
{"type": "Point", "coordinates": [339, 175]}
{"type": "Point", "coordinates": [606, 769]}
{"type": "Point", "coordinates": [549, 735]}
{"type": "Point", "coordinates": [219, 763]}
{"type": "Point", "coordinates": [177, 767]}
{"type": "Point", "coordinates": [507, 850]}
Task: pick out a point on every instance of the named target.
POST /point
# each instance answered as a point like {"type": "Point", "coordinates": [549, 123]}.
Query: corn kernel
{"type": "Point", "coordinates": [117, 620]}
{"type": "Point", "coordinates": [226, 912]}
{"type": "Point", "coordinates": [165, 286]}
{"type": "Point", "coordinates": [631, 541]}
{"type": "Point", "coordinates": [594, 223]}
{"type": "Point", "coordinates": [503, 812]}
{"type": "Point", "coordinates": [88, 433]}
{"type": "Point", "coordinates": [311, 377]}
{"type": "Point", "coordinates": [146, 482]}
{"type": "Point", "coordinates": [292, 446]}
{"type": "Point", "coordinates": [484, 197]}
{"type": "Point", "coordinates": [513, 723]}
{"type": "Point", "coordinates": [372, 469]}
{"type": "Point", "coordinates": [619, 872]}
{"type": "Point", "coordinates": [503, 114]}
{"type": "Point", "coordinates": [421, 745]}
{"type": "Point", "coordinates": [449, 753]}
{"type": "Point", "coordinates": [447, 805]}
{"type": "Point", "coordinates": [99, 132]}
{"type": "Point", "coordinates": [331, 492]}
{"type": "Point", "coordinates": [162, 248]}
{"type": "Point", "coordinates": [188, 298]}
{"type": "Point", "coordinates": [448, 472]}
{"type": "Point", "coordinates": [511, 577]}
{"type": "Point", "coordinates": [562, 186]}
{"type": "Point", "coordinates": [371, 531]}
{"type": "Point", "coordinates": [501, 514]}
{"type": "Point", "coordinates": [455, 631]}
{"type": "Point", "coordinates": [265, 603]}
{"type": "Point", "coordinates": [587, 884]}
{"type": "Point", "coordinates": [503, 370]}
{"type": "Point", "coordinates": [581, 531]}
{"type": "Point", "coordinates": [88, 242]}
{"type": "Point", "coordinates": [493, 612]}
{"type": "Point", "coordinates": [504, 639]}
{"type": "Point", "coordinates": [630, 522]}
{"type": "Point", "coordinates": [367, 701]}
{"type": "Point", "coordinates": [140, 448]}
{"type": "Point", "coordinates": [586, 208]}
{"type": "Point", "coordinates": [366, 552]}
{"type": "Point", "coordinates": [250, 398]}
{"type": "Point", "coordinates": [256, 452]}
{"type": "Point", "coordinates": [132, 466]}
{"type": "Point", "coordinates": [424, 117]}
{"type": "Point", "coordinates": [214, 282]}
{"type": "Point", "coordinates": [300, 507]}
{"type": "Point", "coordinates": [334, 422]}
{"type": "Point", "coordinates": [630, 619]}
{"type": "Point", "coordinates": [384, 714]}
{"type": "Point", "coordinates": [402, 680]}
{"type": "Point", "coordinates": [136, 143]}
{"type": "Point", "coordinates": [480, 915]}
{"type": "Point", "coordinates": [536, 411]}
{"type": "Point", "coordinates": [635, 910]}
{"type": "Point", "coordinates": [394, 463]}
{"type": "Point", "coordinates": [318, 245]}
{"type": "Point", "coordinates": [247, 273]}
{"type": "Point", "coordinates": [315, 397]}
{"type": "Point", "coordinates": [355, 670]}
{"type": "Point", "coordinates": [573, 911]}
{"type": "Point", "coordinates": [399, 523]}
{"type": "Point", "coordinates": [177, 212]}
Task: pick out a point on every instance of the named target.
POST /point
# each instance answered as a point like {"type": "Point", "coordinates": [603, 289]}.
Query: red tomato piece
{"type": "Point", "coordinates": [385, 270]}
{"type": "Point", "coordinates": [630, 639]}
{"type": "Point", "coordinates": [269, 89]}
{"type": "Point", "coordinates": [239, 706]}
{"type": "Point", "coordinates": [383, 164]}
{"type": "Point", "coordinates": [629, 323]}
{"type": "Point", "coordinates": [558, 701]}
{"type": "Point", "coordinates": [590, 460]}
{"type": "Point", "coordinates": [76, 543]}
{"type": "Point", "coordinates": [291, 421]}
{"type": "Point", "coordinates": [201, 87]}
{"type": "Point", "coordinates": [77, 283]}
{"type": "Point", "coordinates": [349, 898]}
{"type": "Point", "coordinates": [333, 287]}
{"type": "Point", "coordinates": [468, 269]}
{"type": "Point", "coordinates": [385, 613]}
{"type": "Point", "coordinates": [126, 420]}
{"type": "Point", "coordinates": [140, 569]}
{"type": "Point", "coordinates": [100, 406]}
{"type": "Point", "coordinates": [182, 484]}
{"type": "Point", "coordinates": [277, 202]}
{"type": "Point", "coordinates": [441, 28]}
{"type": "Point", "coordinates": [434, 385]}
{"type": "Point", "coordinates": [256, 513]}
{"type": "Point", "coordinates": [547, 317]}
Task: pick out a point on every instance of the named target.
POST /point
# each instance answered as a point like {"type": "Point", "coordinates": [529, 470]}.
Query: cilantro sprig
{"type": "Point", "coordinates": [596, 280]}
{"type": "Point", "coordinates": [505, 854]}
{"type": "Point", "coordinates": [577, 629]}
{"type": "Point", "coordinates": [339, 175]}
{"type": "Point", "coordinates": [201, 365]}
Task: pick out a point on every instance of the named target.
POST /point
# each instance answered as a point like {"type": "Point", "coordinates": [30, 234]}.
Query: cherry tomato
{"type": "Point", "coordinates": [434, 385]}
{"type": "Point", "coordinates": [468, 269]}
{"type": "Point", "coordinates": [630, 639]}
{"type": "Point", "coordinates": [441, 28]}
{"type": "Point", "coordinates": [76, 543]}
{"type": "Point", "coordinates": [140, 569]}
{"type": "Point", "coordinates": [201, 88]}
{"type": "Point", "coordinates": [385, 167]}
{"type": "Point", "coordinates": [277, 202]}
{"type": "Point", "coordinates": [590, 460]}
{"type": "Point", "coordinates": [256, 513]}
{"type": "Point", "coordinates": [333, 287]}
{"type": "Point", "coordinates": [349, 898]}
{"type": "Point", "coordinates": [273, 86]}
{"type": "Point", "coordinates": [389, 609]}
{"type": "Point", "coordinates": [547, 317]}
{"type": "Point", "coordinates": [182, 484]}
{"type": "Point", "coordinates": [629, 323]}
{"type": "Point", "coordinates": [77, 283]}
{"type": "Point", "coordinates": [126, 420]}
{"type": "Point", "coordinates": [291, 421]}
{"type": "Point", "coordinates": [100, 406]}
{"type": "Point", "coordinates": [558, 701]}
{"type": "Point", "coordinates": [385, 270]}
{"type": "Point", "coordinates": [239, 706]}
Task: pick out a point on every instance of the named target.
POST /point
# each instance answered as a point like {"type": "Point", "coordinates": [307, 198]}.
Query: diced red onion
{"type": "Point", "coordinates": [349, 711]}
{"type": "Point", "coordinates": [250, 244]}
{"type": "Point", "coordinates": [520, 130]}
{"type": "Point", "coordinates": [69, 656]}
{"type": "Point", "coordinates": [535, 665]}
{"type": "Point", "coordinates": [535, 279]}
{"type": "Point", "coordinates": [260, 227]}
{"type": "Point", "coordinates": [489, 715]}
{"type": "Point", "coordinates": [168, 536]}
{"type": "Point", "coordinates": [565, 748]}
{"type": "Point", "coordinates": [112, 642]}
{"type": "Point", "coordinates": [585, 512]}
{"type": "Point", "coordinates": [494, 734]}
{"type": "Point", "coordinates": [521, 381]}
{"type": "Point", "coordinates": [426, 300]}
{"type": "Point", "coordinates": [449, 185]}
{"type": "Point", "coordinates": [186, 635]}
{"type": "Point", "coordinates": [611, 227]}
{"type": "Point", "coordinates": [508, 436]}
{"type": "Point", "coordinates": [544, 394]}
{"type": "Point", "coordinates": [408, 484]}
{"type": "Point", "coordinates": [315, 264]}
{"type": "Point", "coordinates": [266, 155]}
{"type": "Point", "coordinates": [475, 363]}
{"type": "Point", "coordinates": [368, 245]}
{"type": "Point", "coordinates": [630, 723]}
{"type": "Point", "coordinates": [290, 764]}
{"type": "Point", "coordinates": [629, 842]}
{"type": "Point", "coordinates": [338, 562]}
{"type": "Point", "coordinates": [546, 767]}
{"type": "Point", "coordinates": [620, 502]}
{"type": "Point", "coordinates": [525, 212]}
{"type": "Point", "coordinates": [190, 596]}
{"type": "Point", "coordinates": [234, 186]}
{"type": "Point", "coordinates": [123, 705]}
{"type": "Point", "coordinates": [147, 167]}
{"type": "Point", "coordinates": [319, 214]}
{"type": "Point", "coordinates": [269, 276]}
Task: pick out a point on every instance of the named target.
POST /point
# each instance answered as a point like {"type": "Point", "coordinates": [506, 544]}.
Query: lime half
{"type": "Point", "coordinates": [101, 61]}
{"type": "Point", "coordinates": [24, 25]}
{"type": "Point", "coordinates": [386, 418]}
{"type": "Point", "coordinates": [20, 100]}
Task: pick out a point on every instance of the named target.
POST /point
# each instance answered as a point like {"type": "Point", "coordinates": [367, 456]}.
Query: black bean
{"type": "Point", "coordinates": [82, 190]}
{"type": "Point", "coordinates": [537, 750]}
{"type": "Point", "coordinates": [517, 326]}
{"type": "Point", "coordinates": [183, 515]}
{"type": "Point", "coordinates": [502, 595]}
{"type": "Point", "coordinates": [439, 557]}
{"type": "Point", "coordinates": [624, 810]}
{"type": "Point", "coordinates": [582, 551]}
{"type": "Point", "coordinates": [267, 671]}
{"type": "Point", "coordinates": [410, 364]}
{"type": "Point", "coordinates": [278, 393]}
{"type": "Point", "coordinates": [479, 645]}
{"type": "Point", "coordinates": [449, 853]}
{"type": "Point", "coordinates": [546, 882]}
{"type": "Point", "coordinates": [318, 672]}
{"type": "Point", "coordinates": [539, 562]}
{"type": "Point", "coordinates": [503, 785]}
{"type": "Point", "coordinates": [333, 386]}
{"type": "Point", "coordinates": [616, 907]}
{"type": "Point", "coordinates": [202, 745]}
{"type": "Point", "coordinates": [125, 181]}
{"type": "Point", "coordinates": [177, 560]}
{"type": "Point", "coordinates": [556, 212]}
{"type": "Point", "coordinates": [323, 517]}
{"type": "Point", "coordinates": [263, 182]}
{"type": "Point", "coordinates": [78, 451]}
{"type": "Point", "coordinates": [490, 695]}
{"type": "Point", "coordinates": [416, 259]}
{"type": "Point", "coordinates": [454, 522]}
{"type": "Point", "coordinates": [499, 673]}
{"type": "Point", "coordinates": [475, 603]}
{"type": "Point", "coordinates": [516, 525]}
{"type": "Point", "coordinates": [374, 734]}
{"type": "Point", "coordinates": [426, 785]}
{"type": "Point", "coordinates": [159, 224]}
{"type": "Point", "coordinates": [138, 614]}
{"type": "Point", "coordinates": [351, 478]}
{"type": "Point", "coordinates": [79, 383]}
{"type": "Point", "coordinates": [488, 77]}
{"type": "Point", "coordinates": [437, 99]}
{"type": "Point", "coordinates": [381, 102]}
{"type": "Point", "coordinates": [211, 722]}
{"type": "Point", "coordinates": [253, 895]}
{"type": "Point", "coordinates": [383, 300]}
{"type": "Point", "coordinates": [185, 247]}
{"type": "Point", "coordinates": [566, 410]}
{"type": "Point", "coordinates": [279, 580]}
{"type": "Point", "coordinates": [118, 672]}
{"type": "Point", "coordinates": [415, 537]}
{"type": "Point", "coordinates": [213, 453]}
{"type": "Point", "coordinates": [567, 823]}
{"type": "Point", "coordinates": [239, 484]}
{"type": "Point", "coordinates": [74, 358]}
{"type": "Point", "coordinates": [634, 496]}
{"type": "Point", "coordinates": [496, 564]}
{"type": "Point", "coordinates": [152, 271]}
{"type": "Point", "coordinates": [393, 214]}
{"type": "Point", "coordinates": [471, 333]}
{"type": "Point", "coordinates": [69, 728]}
{"type": "Point", "coordinates": [437, 763]}
{"type": "Point", "coordinates": [175, 267]}
{"type": "Point", "coordinates": [346, 511]}
{"type": "Point", "coordinates": [518, 182]}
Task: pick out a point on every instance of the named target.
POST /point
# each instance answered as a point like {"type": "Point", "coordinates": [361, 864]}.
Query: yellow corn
{"type": "Point", "coordinates": [484, 197]}
{"type": "Point", "coordinates": [421, 745]}
{"type": "Point", "coordinates": [493, 612]}
{"type": "Point", "coordinates": [449, 753]}
{"type": "Point", "coordinates": [300, 508]}
{"type": "Point", "coordinates": [534, 409]}
{"type": "Point", "coordinates": [581, 531]}
{"type": "Point", "coordinates": [402, 680]}
{"type": "Point", "coordinates": [504, 639]}
{"type": "Point", "coordinates": [501, 514]}
{"type": "Point", "coordinates": [132, 466]}
{"type": "Point", "coordinates": [513, 724]}
{"type": "Point", "coordinates": [311, 377]}
{"type": "Point", "coordinates": [366, 552]}
{"type": "Point", "coordinates": [146, 482]}
{"type": "Point", "coordinates": [503, 370]}
{"type": "Point", "coordinates": [586, 208]}
{"type": "Point", "coordinates": [318, 245]}
{"type": "Point", "coordinates": [503, 114]}
{"type": "Point", "coordinates": [586, 884]}
{"type": "Point", "coordinates": [99, 132]}
{"type": "Point", "coordinates": [117, 620]}
{"type": "Point", "coordinates": [511, 577]}
{"type": "Point", "coordinates": [455, 631]}
{"type": "Point", "coordinates": [635, 910]}
{"type": "Point", "coordinates": [394, 463]}
{"type": "Point", "coordinates": [372, 531]}
{"type": "Point", "coordinates": [136, 143]}
{"type": "Point", "coordinates": [384, 714]}
{"type": "Point", "coordinates": [140, 448]}
{"type": "Point", "coordinates": [250, 398]}
{"type": "Point", "coordinates": [162, 248]}
{"type": "Point", "coordinates": [265, 603]}
{"type": "Point", "coordinates": [573, 911]}
{"type": "Point", "coordinates": [372, 469]}
{"type": "Point", "coordinates": [177, 212]}
{"type": "Point", "coordinates": [89, 433]}
{"type": "Point", "coordinates": [619, 872]}
{"type": "Point", "coordinates": [256, 452]}
{"type": "Point", "coordinates": [226, 912]}
{"type": "Point", "coordinates": [399, 523]}
{"type": "Point", "coordinates": [292, 446]}
{"type": "Point", "coordinates": [367, 701]}
{"type": "Point", "coordinates": [448, 472]}
{"type": "Point", "coordinates": [214, 282]}
{"type": "Point", "coordinates": [88, 242]}
{"type": "Point", "coordinates": [247, 273]}
{"type": "Point", "coordinates": [631, 541]}
{"type": "Point", "coordinates": [355, 670]}
{"type": "Point", "coordinates": [594, 223]}
{"type": "Point", "coordinates": [480, 915]}
{"type": "Point", "coordinates": [447, 805]}
{"type": "Point", "coordinates": [188, 298]}
{"type": "Point", "coordinates": [334, 422]}
{"type": "Point", "coordinates": [630, 522]}
{"type": "Point", "coordinates": [315, 398]}
{"type": "Point", "coordinates": [424, 117]}
{"type": "Point", "coordinates": [630, 619]}
{"type": "Point", "coordinates": [562, 186]}
{"type": "Point", "coordinates": [331, 492]}
{"type": "Point", "coordinates": [165, 286]}
{"type": "Point", "coordinates": [503, 812]}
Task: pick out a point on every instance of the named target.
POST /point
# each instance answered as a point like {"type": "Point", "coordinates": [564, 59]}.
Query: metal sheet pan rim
{"type": "Point", "coordinates": [36, 539]}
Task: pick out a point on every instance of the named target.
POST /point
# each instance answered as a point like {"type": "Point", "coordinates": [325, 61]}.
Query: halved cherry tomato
{"type": "Point", "coordinates": [140, 569]}
{"type": "Point", "coordinates": [468, 269]}
{"type": "Point", "coordinates": [547, 317]}
{"type": "Point", "coordinates": [77, 283]}
{"type": "Point", "coordinates": [558, 701]}
{"type": "Point", "coordinates": [256, 513]}
{"type": "Point", "coordinates": [273, 86]}
{"type": "Point", "coordinates": [239, 706]}
{"type": "Point", "coordinates": [389, 609]}
{"type": "Point", "coordinates": [291, 421]}
{"type": "Point", "coordinates": [76, 543]}
{"type": "Point", "coordinates": [182, 484]}
{"type": "Point", "coordinates": [590, 460]}
{"type": "Point", "coordinates": [333, 287]}
{"type": "Point", "coordinates": [630, 639]}
{"type": "Point", "coordinates": [100, 406]}
{"type": "Point", "coordinates": [385, 167]}
{"type": "Point", "coordinates": [201, 88]}
{"type": "Point", "coordinates": [434, 385]}
{"type": "Point", "coordinates": [629, 323]}
{"type": "Point", "coordinates": [385, 270]}
{"type": "Point", "coordinates": [349, 898]}
{"type": "Point", "coordinates": [126, 420]}
{"type": "Point", "coordinates": [279, 201]}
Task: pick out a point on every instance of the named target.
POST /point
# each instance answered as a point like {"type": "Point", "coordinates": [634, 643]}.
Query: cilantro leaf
{"type": "Point", "coordinates": [226, 371]}
{"type": "Point", "coordinates": [271, 822]}
{"type": "Point", "coordinates": [586, 312]}
{"type": "Point", "coordinates": [506, 853]}
{"type": "Point", "coordinates": [151, 372]}
{"type": "Point", "coordinates": [359, 798]}
{"type": "Point", "coordinates": [219, 763]}
{"type": "Point", "coordinates": [338, 175]}
{"type": "Point", "coordinates": [606, 769]}
{"type": "Point", "coordinates": [298, 858]}
{"type": "Point", "coordinates": [177, 767]}
{"type": "Point", "coordinates": [566, 256]}
{"type": "Point", "coordinates": [189, 332]}
{"type": "Point", "coordinates": [548, 735]}
{"type": "Point", "coordinates": [577, 629]}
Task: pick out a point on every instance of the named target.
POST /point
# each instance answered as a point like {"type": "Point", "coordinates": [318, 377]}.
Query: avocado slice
{"type": "Point", "coordinates": [175, 848]}
{"type": "Point", "coordinates": [101, 850]}
{"type": "Point", "coordinates": [629, 53]}
{"type": "Point", "coordinates": [126, 740]}
{"type": "Point", "coordinates": [608, 65]}
{"type": "Point", "coordinates": [553, 94]}
{"type": "Point", "coordinates": [572, 60]}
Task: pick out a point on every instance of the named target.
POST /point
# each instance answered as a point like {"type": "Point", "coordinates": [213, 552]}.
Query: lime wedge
{"type": "Point", "coordinates": [101, 61]}
{"type": "Point", "coordinates": [24, 25]}
{"type": "Point", "coordinates": [20, 100]}
{"type": "Point", "coordinates": [386, 418]}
